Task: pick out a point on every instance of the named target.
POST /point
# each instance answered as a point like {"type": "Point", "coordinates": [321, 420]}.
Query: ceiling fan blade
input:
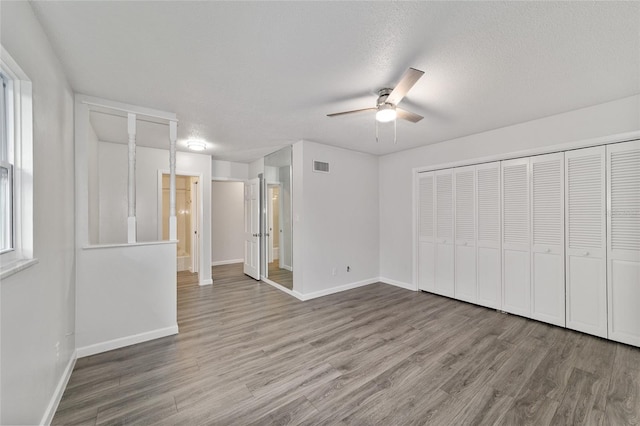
{"type": "Point", "coordinates": [335, 114]}
{"type": "Point", "coordinates": [406, 83]}
{"type": "Point", "coordinates": [408, 115]}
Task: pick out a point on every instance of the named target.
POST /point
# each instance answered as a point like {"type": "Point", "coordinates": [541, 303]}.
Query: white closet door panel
{"type": "Point", "coordinates": [547, 236]}
{"type": "Point", "coordinates": [426, 232]}
{"type": "Point", "coordinates": [426, 266]}
{"type": "Point", "coordinates": [465, 264]}
{"type": "Point", "coordinates": [445, 256]}
{"type": "Point", "coordinates": [586, 300]}
{"type": "Point", "coordinates": [585, 235]}
{"type": "Point", "coordinates": [465, 233]}
{"type": "Point", "coordinates": [516, 295]}
{"type": "Point", "coordinates": [489, 277]}
{"type": "Point", "coordinates": [516, 250]}
{"type": "Point", "coordinates": [623, 243]}
{"type": "Point", "coordinates": [465, 207]}
{"type": "Point", "coordinates": [488, 219]}
{"type": "Point", "coordinates": [444, 284]}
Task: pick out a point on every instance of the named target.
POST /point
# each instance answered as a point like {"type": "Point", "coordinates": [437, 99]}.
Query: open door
{"type": "Point", "coordinates": [252, 228]}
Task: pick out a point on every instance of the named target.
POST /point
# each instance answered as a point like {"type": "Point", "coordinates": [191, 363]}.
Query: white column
{"type": "Point", "coordinates": [131, 219]}
{"type": "Point", "coordinates": [173, 224]}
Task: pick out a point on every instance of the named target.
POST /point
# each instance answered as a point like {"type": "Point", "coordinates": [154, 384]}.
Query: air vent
{"type": "Point", "coordinates": [320, 166]}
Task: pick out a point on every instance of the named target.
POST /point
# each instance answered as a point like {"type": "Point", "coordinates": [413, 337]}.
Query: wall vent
{"type": "Point", "coordinates": [320, 166]}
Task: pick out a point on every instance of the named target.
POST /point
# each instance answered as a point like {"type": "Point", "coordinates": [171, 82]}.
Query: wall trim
{"type": "Point", "coordinates": [287, 267]}
{"type": "Point", "coordinates": [126, 341]}
{"type": "Point", "coordinates": [206, 282]}
{"type": "Point", "coordinates": [338, 289]}
{"type": "Point", "coordinates": [396, 283]}
{"type": "Point", "coordinates": [283, 289]}
{"type": "Point", "coordinates": [51, 409]}
{"type": "Point", "coordinates": [226, 262]}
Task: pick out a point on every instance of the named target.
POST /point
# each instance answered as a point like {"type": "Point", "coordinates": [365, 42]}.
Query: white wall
{"type": "Point", "coordinates": [335, 218]}
{"type": "Point", "coordinates": [229, 170]}
{"type": "Point", "coordinates": [126, 295]}
{"type": "Point", "coordinates": [255, 168]}
{"type": "Point", "coordinates": [396, 261]}
{"type": "Point", "coordinates": [227, 222]}
{"type": "Point", "coordinates": [38, 304]}
{"type": "Point", "coordinates": [113, 194]}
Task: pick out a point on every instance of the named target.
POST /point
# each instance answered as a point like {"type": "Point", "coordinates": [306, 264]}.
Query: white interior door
{"type": "Point", "coordinates": [623, 245]}
{"type": "Point", "coordinates": [426, 243]}
{"type": "Point", "coordinates": [445, 257]}
{"type": "Point", "coordinates": [488, 242]}
{"type": "Point", "coordinates": [195, 225]}
{"type": "Point", "coordinates": [547, 236]}
{"type": "Point", "coordinates": [516, 246]}
{"type": "Point", "coordinates": [252, 228]}
{"type": "Point", "coordinates": [465, 233]}
{"type": "Point", "coordinates": [586, 279]}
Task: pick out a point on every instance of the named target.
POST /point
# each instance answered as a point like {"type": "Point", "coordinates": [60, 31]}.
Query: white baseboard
{"type": "Point", "coordinates": [227, 262]}
{"type": "Point", "coordinates": [126, 341]}
{"type": "Point", "coordinates": [287, 267]}
{"type": "Point", "coordinates": [398, 283]}
{"type": "Point", "coordinates": [338, 289]}
{"type": "Point", "coordinates": [47, 418]}
{"type": "Point", "coordinates": [206, 282]}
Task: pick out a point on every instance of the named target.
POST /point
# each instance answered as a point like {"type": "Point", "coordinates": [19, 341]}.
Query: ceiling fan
{"type": "Point", "coordinates": [386, 106]}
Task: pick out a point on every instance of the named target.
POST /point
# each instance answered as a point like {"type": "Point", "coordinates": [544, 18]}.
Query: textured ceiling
{"type": "Point", "coordinates": [251, 77]}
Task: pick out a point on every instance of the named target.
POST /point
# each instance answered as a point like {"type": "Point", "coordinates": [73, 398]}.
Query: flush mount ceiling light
{"type": "Point", "coordinates": [195, 145]}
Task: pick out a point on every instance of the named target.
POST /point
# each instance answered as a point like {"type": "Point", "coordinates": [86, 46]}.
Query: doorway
{"type": "Point", "coordinates": [187, 220]}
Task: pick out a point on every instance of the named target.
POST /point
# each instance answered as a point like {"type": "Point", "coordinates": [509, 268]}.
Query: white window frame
{"type": "Point", "coordinates": [20, 137]}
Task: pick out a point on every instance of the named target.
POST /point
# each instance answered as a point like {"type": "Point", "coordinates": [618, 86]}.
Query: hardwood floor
{"type": "Point", "coordinates": [250, 354]}
{"type": "Point", "coordinates": [280, 276]}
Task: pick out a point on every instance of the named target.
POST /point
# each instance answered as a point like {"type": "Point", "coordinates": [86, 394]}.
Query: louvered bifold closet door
{"type": "Point", "coordinates": [516, 246]}
{"type": "Point", "coordinates": [465, 233]}
{"type": "Point", "coordinates": [426, 231]}
{"type": "Point", "coordinates": [585, 240]}
{"type": "Point", "coordinates": [547, 235]}
{"type": "Point", "coordinates": [489, 277]}
{"type": "Point", "coordinates": [623, 242]}
{"type": "Point", "coordinates": [444, 282]}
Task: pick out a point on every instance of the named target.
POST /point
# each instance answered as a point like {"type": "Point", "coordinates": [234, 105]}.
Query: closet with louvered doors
{"type": "Point", "coordinates": [444, 247]}
{"type": "Point", "coordinates": [547, 238]}
{"type": "Point", "coordinates": [426, 231]}
{"type": "Point", "coordinates": [623, 242]}
{"type": "Point", "coordinates": [586, 266]}
{"type": "Point", "coordinates": [488, 220]}
{"type": "Point", "coordinates": [465, 233]}
{"type": "Point", "coordinates": [516, 242]}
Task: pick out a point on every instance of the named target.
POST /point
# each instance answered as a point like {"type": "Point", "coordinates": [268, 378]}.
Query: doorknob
{"type": "Point", "coordinates": [547, 251]}
{"type": "Point", "coordinates": [586, 253]}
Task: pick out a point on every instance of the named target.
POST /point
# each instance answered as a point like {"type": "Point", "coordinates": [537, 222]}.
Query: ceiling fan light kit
{"type": "Point", "coordinates": [388, 99]}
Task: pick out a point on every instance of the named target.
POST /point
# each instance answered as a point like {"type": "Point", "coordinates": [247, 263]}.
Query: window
{"type": "Point", "coordinates": [16, 168]}
{"type": "Point", "coordinates": [6, 175]}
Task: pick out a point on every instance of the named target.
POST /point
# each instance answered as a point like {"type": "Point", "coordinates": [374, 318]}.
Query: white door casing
{"type": "Point", "coordinates": [547, 238]}
{"type": "Point", "coordinates": [465, 233]}
{"type": "Point", "coordinates": [489, 264]}
{"type": "Point", "coordinates": [623, 242]}
{"type": "Point", "coordinates": [516, 245]}
{"type": "Point", "coordinates": [252, 228]}
{"type": "Point", "coordinates": [444, 249]}
{"type": "Point", "coordinates": [585, 241]}
{"type": "Point", "coordinates": [426, 231]}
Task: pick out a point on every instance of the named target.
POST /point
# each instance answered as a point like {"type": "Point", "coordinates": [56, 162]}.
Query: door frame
{"type": "Point", "coordinates": [200, 211]}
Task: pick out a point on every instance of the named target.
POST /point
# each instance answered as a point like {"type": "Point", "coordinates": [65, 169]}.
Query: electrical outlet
{"type": "Point", "coordinates": [57, 351]}
{"type": "Point", "coordinates": [333, 271]}
{"type": "Point", "coordinates": [348, 268]}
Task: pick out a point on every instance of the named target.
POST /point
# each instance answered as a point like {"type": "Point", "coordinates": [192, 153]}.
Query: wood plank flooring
{"type": "Point", "coordinates": [248, 354]}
